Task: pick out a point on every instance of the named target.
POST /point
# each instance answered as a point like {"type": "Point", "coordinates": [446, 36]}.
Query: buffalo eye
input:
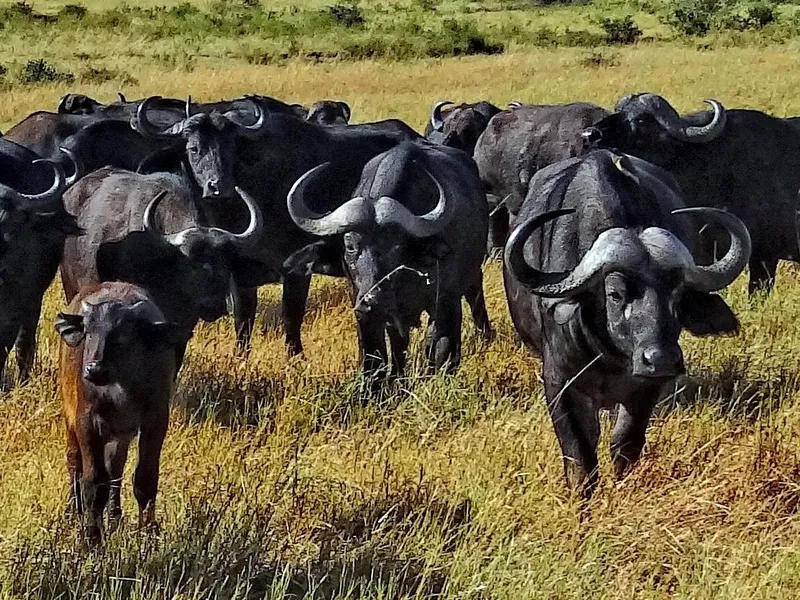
{"type": "Point", "coordinates": [615, 296]}
{"type": "Point", "coordinates": [193, 149]}
{"type": "Point", "coordinates": [350, 245]}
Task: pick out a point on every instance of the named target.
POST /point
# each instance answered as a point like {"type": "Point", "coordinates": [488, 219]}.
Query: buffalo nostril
{"type": "Point", "coordinates": [213, 187]}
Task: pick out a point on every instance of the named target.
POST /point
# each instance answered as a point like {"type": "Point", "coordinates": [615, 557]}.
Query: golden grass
{"type": "Point", "coordinates": [278, 481]}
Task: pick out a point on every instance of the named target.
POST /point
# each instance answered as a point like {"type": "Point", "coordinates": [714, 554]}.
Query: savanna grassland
{"type": "Point", "coordinates": [278, 483]}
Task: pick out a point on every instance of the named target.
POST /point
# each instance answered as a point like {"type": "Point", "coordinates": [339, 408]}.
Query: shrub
{"type": "Point", "coordinates": [693, 17]}
{"type": "Point", "coordinates": [74, 11]}
{"type": "Point", "coordinates": [754, 16]}
{"type": "Point", "coordinates": [347, 16]}
{"type": "Point", "coordinates": [39, 71]}
{"type": "Point", "coordinates": [103, 75]}
{"type": "Point", "coordinates": [620, 31]}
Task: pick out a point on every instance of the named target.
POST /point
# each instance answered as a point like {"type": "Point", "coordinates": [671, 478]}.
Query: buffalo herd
{"type": "Point", "coordinates": [615, 229]}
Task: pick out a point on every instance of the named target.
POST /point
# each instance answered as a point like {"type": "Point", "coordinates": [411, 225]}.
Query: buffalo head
{"type": "Point", "coordinates": [640, 287]}
{"type": "Point", "coordinates": [646, 125]}
{"type": "Point", "coordinates": [199, 263]}
{"type": "Point", "coordinates": [460, 126]}
{"type": "Point", "coordinates": [329, 112]}
{"type": "Point", "coordinates": [118, 333]}
{"type": "Point", "coordinates": [381, 237]}
{"type": "Point", "coordinates": [209, 139]}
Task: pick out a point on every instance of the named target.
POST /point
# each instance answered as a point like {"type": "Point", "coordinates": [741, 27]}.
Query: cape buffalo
{"type": "Point", "coordinates": [33, 228]}
{"type": "Point", "coordinates": [600, 282]}
{"type": "Point", "coordinates": [519, 142]}
{"type": "Point", "coordinates": [116, 377]}
{"type": "Point", "coordinates": [740, 160]}
{"type": "Point", "coordinates": [186, 267]}
{"type": "Point", "coordinates": [459, 126]}
{"type": "Point", "coordinates": [329, 112]}
{"type": "Point", "coordinates": [267, 166]}
{"type": "Point", "coordinates": [413, 241]}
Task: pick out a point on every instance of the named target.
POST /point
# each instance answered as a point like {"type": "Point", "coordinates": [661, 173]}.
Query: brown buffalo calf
{"type": "Point", "coordinates": [116, 376]}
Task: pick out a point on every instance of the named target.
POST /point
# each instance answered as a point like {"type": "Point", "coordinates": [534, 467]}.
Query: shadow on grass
{"type": "Point", "coordinates": [225, 545]}
{"type": "Point", "coordinates": [733, 390]}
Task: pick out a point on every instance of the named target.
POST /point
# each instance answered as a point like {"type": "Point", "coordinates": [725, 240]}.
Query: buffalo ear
{"type": "Point", "coordinates": [323, 258]}
{"type": "Point", "coordinates": [70, 328]}
{"type": "Point", "coordinates": [161, 334]}
{"type": "Point", "coordinates": [561, 309]}
{"type": "Point", "coordinates": [706, 314]}
{"type": "Point", "coordinates": [249, 273]}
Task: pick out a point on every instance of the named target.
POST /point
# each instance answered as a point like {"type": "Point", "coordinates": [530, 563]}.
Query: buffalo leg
{"type": "Point", "coordinates": [145, 478]}
{"type": "Point", "coordinates": [94, 483]}
{"type": "Point", "coordinates": [477, 304]}
{"type": "Point", "coordinates": [577, 428]}
{"type": "Point", "coordinates": [26, 344]}
{"type": "Point", "coordinates": [295, 295]}
{"type": "Point", "coordinates": [372, 341]}
{"type": "Point", "coordinates": [498, 231]}
{"type": "Point", "coordinates": [398, 339]}
{"type": "Point", "coordinates": [444, 336]}
{"type": "Point", "coordinates": [75, 469]}
{"type": "Point", "coordinates": [244, 316]}
{"type": "Point", "coordinates": [628, 436]}
{"type": "Point", "coordinates": [762, 274]}
{"type": "Point", "coordinates": [115, 458]}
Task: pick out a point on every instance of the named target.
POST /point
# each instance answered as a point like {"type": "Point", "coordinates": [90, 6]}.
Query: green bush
{"type": "Point", "coordinates": [620, 31]}
{"type": "Point", "coordinates": [755, 16]}
{"type": "Point", "coordinates": [39, 71]}
{"type": "Point", "coordinates": [693, 17]}
{"type": "Point", "coordinates": [347, 16]}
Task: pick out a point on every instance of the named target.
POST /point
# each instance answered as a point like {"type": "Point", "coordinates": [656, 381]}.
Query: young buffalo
{"type": "Point", "coordinates": [116, 376]}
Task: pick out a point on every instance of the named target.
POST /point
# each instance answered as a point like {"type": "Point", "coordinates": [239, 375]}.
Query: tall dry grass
{"type": "Point", "coordinates": [279, 483]}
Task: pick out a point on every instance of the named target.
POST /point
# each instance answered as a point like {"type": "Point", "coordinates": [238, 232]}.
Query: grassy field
{"type": "Point", "coordinates": [278, 484]}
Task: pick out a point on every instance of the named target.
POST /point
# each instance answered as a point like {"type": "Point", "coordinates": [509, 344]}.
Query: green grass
{"type": "Point", "coordinates": [278, 483]}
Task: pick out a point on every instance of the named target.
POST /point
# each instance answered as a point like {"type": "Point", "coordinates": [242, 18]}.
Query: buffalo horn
{"type": "Point", "coordinates": [678, 128]}
{"type": "Point", "coordinates": [143, 125]}
{"type": "Point", "coordinates": [352, 214]}
{"type": "Point", "coordinates": [256, 128]}
{"type": "Point", "coordinates": [437, 122]}
{"type": "Point", "coordinates": [388, 210]}
{"type": "Point", "coordinates": [77, 165]}
{"type": "Point", "coordinates": [122, 98]}
{"type": "Point", "coordinates": [149, 214]}
{"type": "Point", "coordinates": [615, 248]}
{"type": "Point", "coordinates": [189, 106]}
{"type": "Point", "coordinates": [722, 272]}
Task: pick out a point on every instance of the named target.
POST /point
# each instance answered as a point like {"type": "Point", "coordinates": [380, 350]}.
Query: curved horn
{"type": "Point", "coordinates": [388, 210]}
{"type": "Point", "coordinates": [350, 215]}
{"type": "Point", "coordinates": [31, 202]}
{"type": "Point", "coordinates": [62, 104]}
{"type": "Point", "coordinates": [346, 110]}
{"type": "Point", "coordinates": [189, 106]}
{"type": "Point", "coordinates": [256, 226]}
{"type": "Point", "coordinates": [436, 115]}
{"type": "Point", "coordinates": [515, 104]}
{"type": "Point", "coordinates": [724, 271]}
{"type": "Point", "coordinates": [149, 214]}
{"type": "Point", "coordinates": [122, 98]}
{"type": "Point", "coordinates": [254, 130]}
{"type": "Point", "coordinates": [677, 127]}
{"type": "Point", "coordinates": [713, 130]}
{"type": "Point", "coordinates": [77, 165]}
{"type": "Point", "coordinates": [142, 124]}
{"type": "Point", "coordinates": [615, 248]}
